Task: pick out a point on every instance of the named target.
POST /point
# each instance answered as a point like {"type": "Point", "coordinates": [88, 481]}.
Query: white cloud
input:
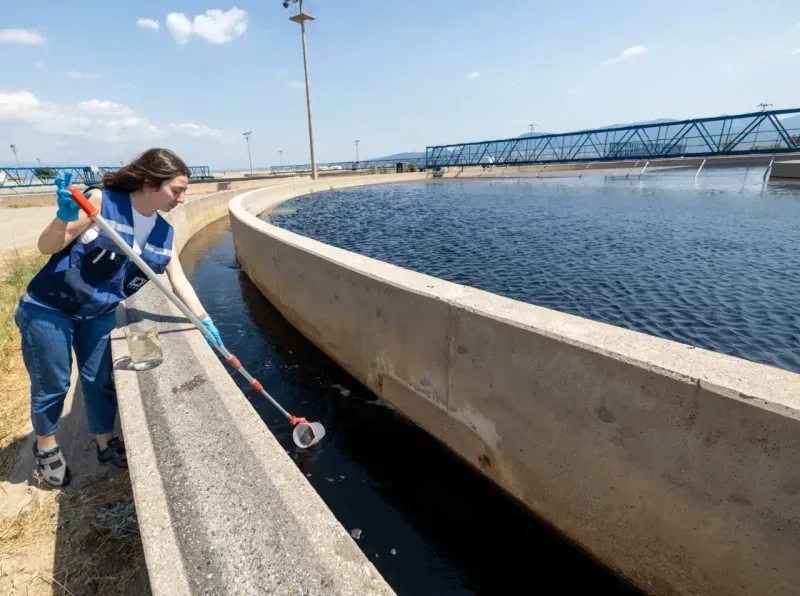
{"type": "Point", "coordinates": [196, 130]}
{"type": "Point", "coordinates": [39, 64]}
{"type": "Point", "coordinates": [24, 107]}
{"type": "Point", "coordinates": [626, 54]}
{"type": "Point", "coordinates": [82, 75]}
{"type": "Point", "coordinates": [179, 26]}
{"type": "Point", "coordinates": [11, 101]}
{"type": "Point", "coordinates": [24, 37]}
{"type": "Point", "coordinates": [93, 119]}
{"type": "Point", "coordinates": [296, 84]}
{"type": "Point", "coordinates": [148, 24]}
{"type": "Point", "coordinates": [96, 105]}
{"type": "Point", "coordinates": [282, 72]}
{"type": "Point", "coordinates": [130, 86]}
{"type": "Point", "coordinates": [473, 75]}
{"type": "Point", "coordinates": [574, 90]}
{"type": "Point", "coordinates": [795, 52]}
{"type": "Point", "coordinates": [214, 26]}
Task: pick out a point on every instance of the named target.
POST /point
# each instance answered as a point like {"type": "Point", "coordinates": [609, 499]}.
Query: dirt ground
{"type": "Point", "coordinates": [76, 541]}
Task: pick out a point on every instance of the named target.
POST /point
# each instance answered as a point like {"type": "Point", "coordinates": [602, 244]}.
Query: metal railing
{"type": "Point", "coordinates": [741, 134]}
{"type": "Point", "coordinates": [352, 165]}
{"type": "Point", "coordinates": [88, 175]}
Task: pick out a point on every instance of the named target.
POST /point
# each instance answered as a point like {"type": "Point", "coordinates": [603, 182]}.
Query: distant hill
{"type": "Point", "coordinates": [406, 155]}
{"type": "Point", "coordinates": [656, 121]}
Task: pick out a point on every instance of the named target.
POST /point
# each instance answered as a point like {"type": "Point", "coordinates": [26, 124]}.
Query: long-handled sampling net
{"type": "Point", "coordinates": [305, 434]}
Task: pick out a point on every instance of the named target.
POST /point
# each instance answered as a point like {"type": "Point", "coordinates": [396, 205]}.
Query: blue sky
{"type": "Point", "coordinates": [86, 84]}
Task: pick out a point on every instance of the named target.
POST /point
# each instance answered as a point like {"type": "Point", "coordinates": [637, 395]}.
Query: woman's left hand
{"type": "Point", "coordinates": [212, 329]}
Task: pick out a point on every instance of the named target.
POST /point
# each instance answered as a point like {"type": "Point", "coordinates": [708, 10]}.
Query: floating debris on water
{"type": "Point", "coordinates": [342, 390]}
{"type": "Point", "coordinates": [356, 533]}
{"type": "Point", "coordinates": [393, 551]}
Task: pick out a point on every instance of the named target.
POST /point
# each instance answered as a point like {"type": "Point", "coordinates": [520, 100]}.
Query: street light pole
{"type": "Point", "coordinates": [532, 127]}
{"type": "Point", "coordinates": [246, 136]}
{"type": "Point", "coordinates": [763, 105]}
{"type": "Point", "coordinates": [16, 157]}
{"type": "Point", "coordinates": [280, 157]}
{"type": "Point", "coordinates": [301, 18]}
{"type": "Point", "coordinates": [357, 142]}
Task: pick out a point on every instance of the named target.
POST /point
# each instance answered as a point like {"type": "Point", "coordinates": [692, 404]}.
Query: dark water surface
{"type": "Point", "coordinates": [451, 531]}
{"type": "Point", "coordinates": [713, 263]}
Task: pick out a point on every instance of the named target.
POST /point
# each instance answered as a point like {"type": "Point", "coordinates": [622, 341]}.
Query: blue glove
{"type": "Point", "coordinates": [212, 329]}
{"type": "Point", "coordinates": [68, 209]}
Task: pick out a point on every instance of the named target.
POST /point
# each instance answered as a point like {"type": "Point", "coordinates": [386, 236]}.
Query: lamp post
{"type": "Point", "coordinates": [280, 157]}
{"type": "Point", "coordinates": [301, 19]}
{"type": "Point", "coordinates": [532, 127]}
{"type": "Point", "coordinates": [14, 149]}
{"type": "Point", "coordinates": [763, 105]}
{"type": "Point", "coordinates": [246, 136]}
{"type": "Point", "coordinates": [356, 143]}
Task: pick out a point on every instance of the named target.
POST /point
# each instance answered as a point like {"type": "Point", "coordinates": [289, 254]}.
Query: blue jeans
{"type": "Point", "coordinates": [48, 337]}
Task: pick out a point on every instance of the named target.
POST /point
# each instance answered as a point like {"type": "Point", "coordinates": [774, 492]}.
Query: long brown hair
{"type": "Point", "coordinates": [154, 166]}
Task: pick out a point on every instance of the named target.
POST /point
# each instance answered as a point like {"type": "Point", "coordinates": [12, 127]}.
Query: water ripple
{"type": "Point", "coordinates": [714, 265]}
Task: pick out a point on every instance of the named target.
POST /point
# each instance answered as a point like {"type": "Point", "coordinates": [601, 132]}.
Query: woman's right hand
{"type": "Point", "coordinates": [68, 209]}
{"type": "Point", "coordinates": [69, 222]}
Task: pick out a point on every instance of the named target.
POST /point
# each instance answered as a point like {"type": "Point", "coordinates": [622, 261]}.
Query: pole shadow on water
{"type": "Point", "coordinates": [428, 521]}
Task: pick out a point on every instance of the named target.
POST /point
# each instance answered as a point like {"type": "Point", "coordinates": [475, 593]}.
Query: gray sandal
{"type": "Point", "coordinates": [53, 467]}
{"type": "Point", "coordinates": [113, 453]}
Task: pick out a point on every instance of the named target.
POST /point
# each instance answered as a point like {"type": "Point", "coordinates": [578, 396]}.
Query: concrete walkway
{"type": "Point", "coordinates": [20, 228]}
{"type": "Point", "coordinates": [222, 508]}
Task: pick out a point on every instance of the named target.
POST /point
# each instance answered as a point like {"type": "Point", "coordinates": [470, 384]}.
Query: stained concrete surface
{"type": "Point", "coordinates": [222, 507]}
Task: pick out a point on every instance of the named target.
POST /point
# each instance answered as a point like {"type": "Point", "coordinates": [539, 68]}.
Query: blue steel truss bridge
{"type": "Point", "coordinates": [88, 175]}
{"type": "Point", "coordinates": [742, 134]}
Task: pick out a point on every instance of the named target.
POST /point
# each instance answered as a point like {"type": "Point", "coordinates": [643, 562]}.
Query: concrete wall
{"type": "Point", "coordinates": [674, 465]}
{"type": "Point", "coordinates": [787, 169]}
{"type": "Point", "coordinates": [201, 188]}
{"type": "Point", "coordinates": [633, 166]}
{"type": "Point", "coordinates": [222, 508]}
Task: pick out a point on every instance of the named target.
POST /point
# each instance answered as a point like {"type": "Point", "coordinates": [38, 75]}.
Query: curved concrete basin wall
{"type": "Point", "coordinates": [222, 508]}
{"type": "Point", "coordinates": [676, 466]}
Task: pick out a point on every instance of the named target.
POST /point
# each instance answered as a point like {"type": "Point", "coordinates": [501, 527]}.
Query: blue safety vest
{"type": "Point", "coordinates": [91, 279]}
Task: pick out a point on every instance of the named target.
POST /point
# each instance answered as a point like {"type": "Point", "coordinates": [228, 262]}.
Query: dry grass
{"type": "Point", "coordinates": [99, 548]}
{"type": "Point", "coordinates": [20, 206]}
{"type": "Point", "coordinates": [28, 527]}
{"type": "Point", "coordinates": [16, 270]}
{"type": "Point", "coordinates": [73, 542]}
{"type": "Point", "coordinates": [89, 538]}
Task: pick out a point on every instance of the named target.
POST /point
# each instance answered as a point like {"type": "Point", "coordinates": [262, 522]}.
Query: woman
{"type": "Point", "coordinates": [71, 302]}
